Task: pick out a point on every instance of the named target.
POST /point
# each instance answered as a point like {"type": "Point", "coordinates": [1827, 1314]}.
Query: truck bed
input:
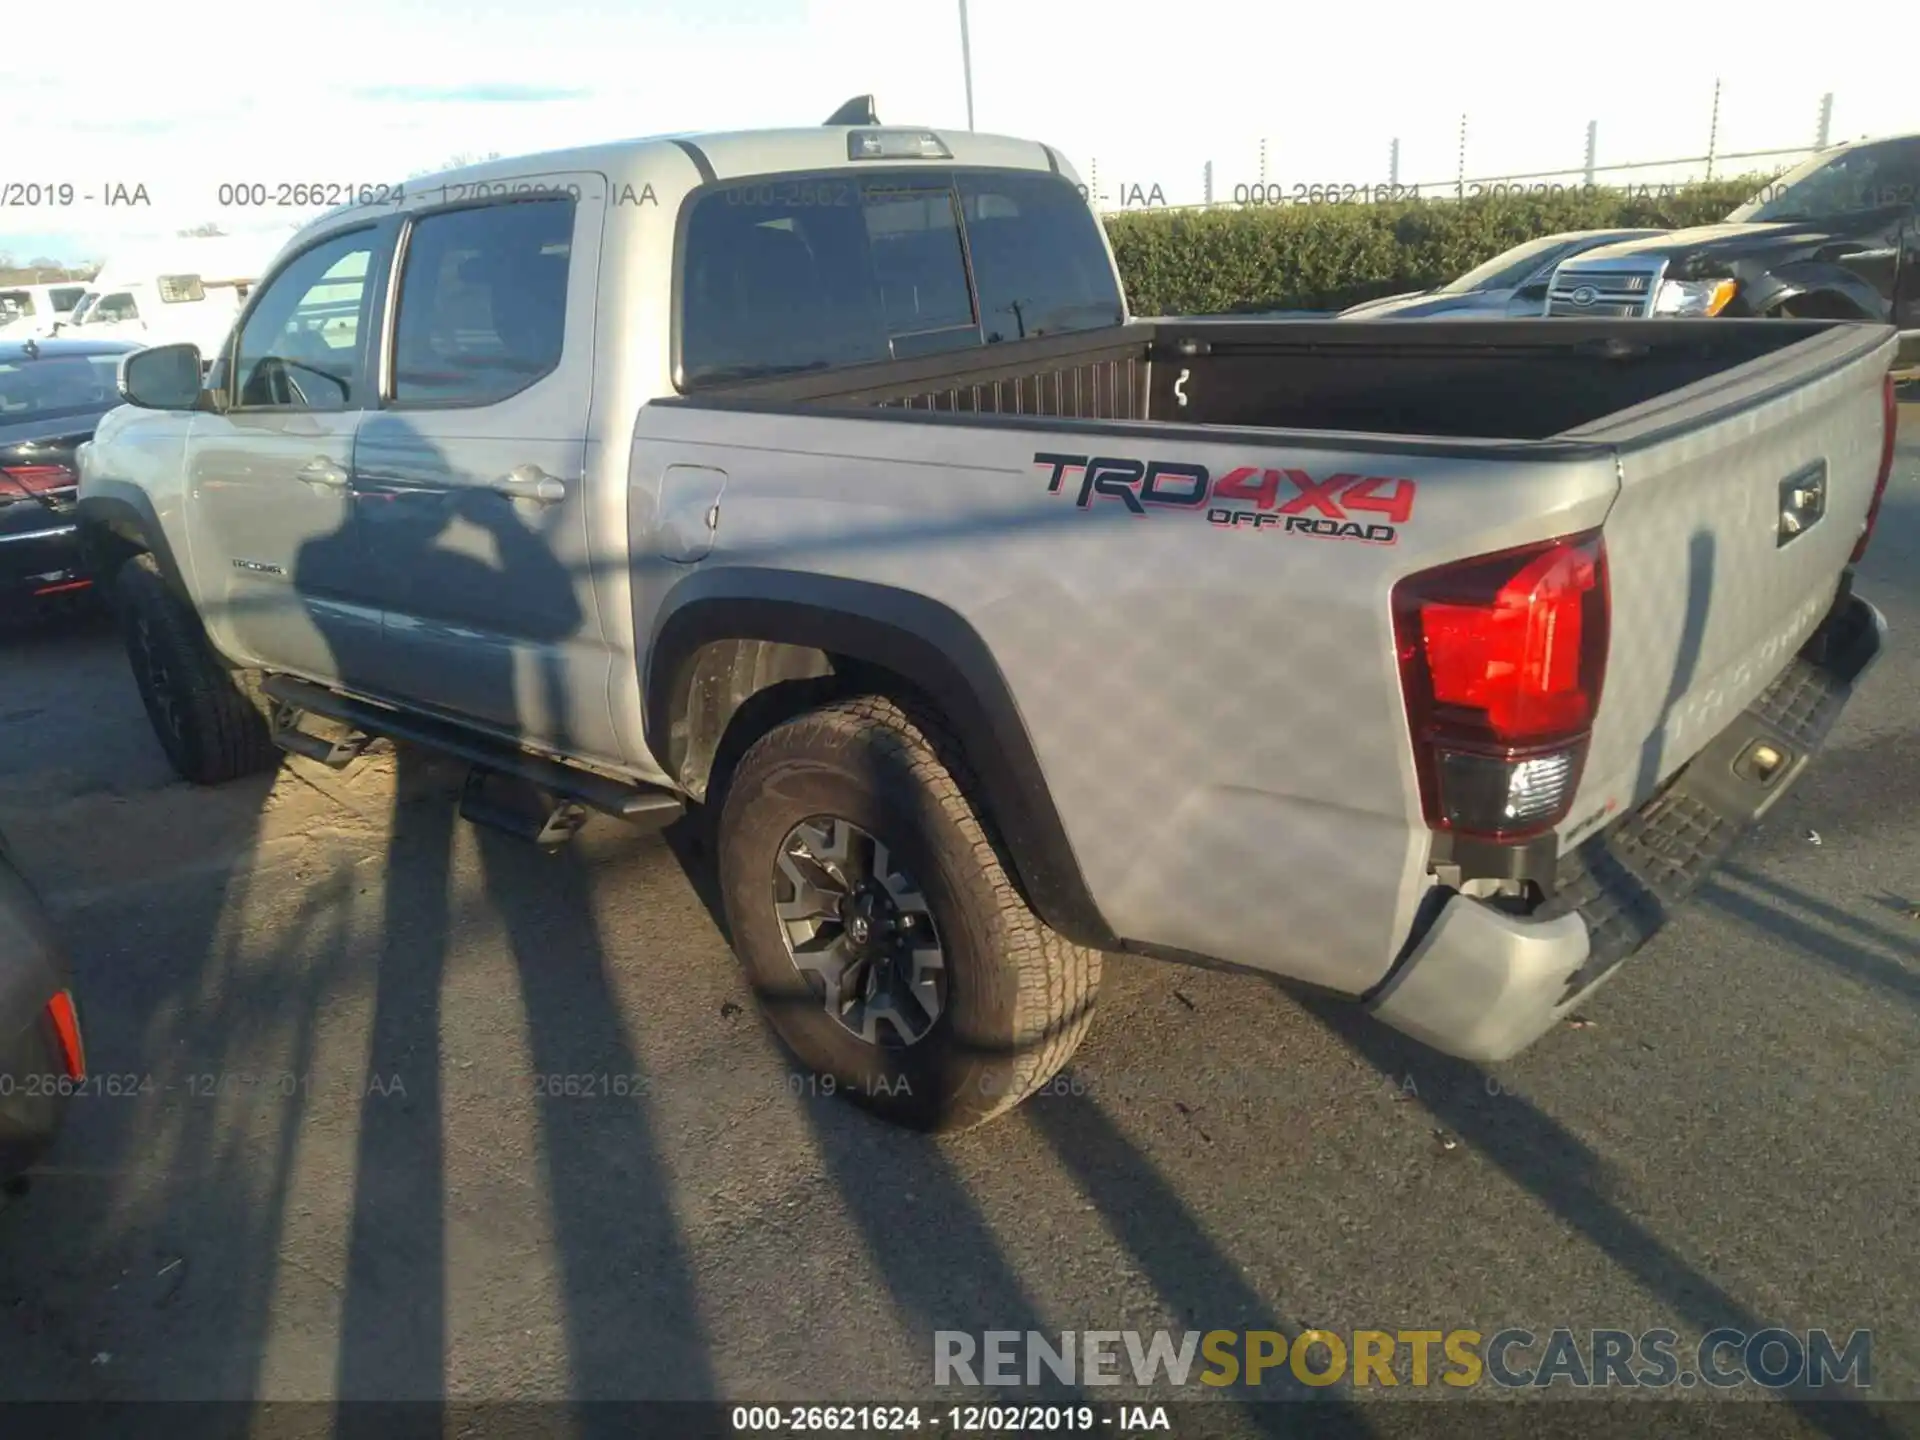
{"type": "Point", "coordinates": [1247, 689]}
{"type": "Point", "coordinates": [1500, 380]}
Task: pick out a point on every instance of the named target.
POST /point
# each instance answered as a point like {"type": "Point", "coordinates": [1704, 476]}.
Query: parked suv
{"type": "Point", "coordinates": [1836, 238]}
{"type": "Point", "coordinates": [818, 480]}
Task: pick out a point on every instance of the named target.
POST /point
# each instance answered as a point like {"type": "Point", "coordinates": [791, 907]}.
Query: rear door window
{"type": "Point", "coordinates": [483, 302]}
{"type": "Point", "coordinates": [817, 272]}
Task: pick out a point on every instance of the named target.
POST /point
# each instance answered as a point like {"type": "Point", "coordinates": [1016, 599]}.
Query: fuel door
{"type": "Point", "coordinates": [688, 517]}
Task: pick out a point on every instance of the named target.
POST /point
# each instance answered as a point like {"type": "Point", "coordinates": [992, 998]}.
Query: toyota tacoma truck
{"type": "Point", "coordinates": [817, 485]}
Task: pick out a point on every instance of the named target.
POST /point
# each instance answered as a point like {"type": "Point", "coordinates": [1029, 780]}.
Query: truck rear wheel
{"type": "Point", "coordinates": [208, 718]}
{"type": "Point", "coordinates": [879, 927]}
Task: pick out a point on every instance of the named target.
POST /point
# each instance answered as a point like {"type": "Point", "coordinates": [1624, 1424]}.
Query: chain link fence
{"type": "Point", "coordinates": [1218, 187]}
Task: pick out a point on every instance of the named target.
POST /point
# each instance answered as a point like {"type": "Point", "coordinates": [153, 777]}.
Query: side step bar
{"type": "Point", "coordinates": [642, 805]}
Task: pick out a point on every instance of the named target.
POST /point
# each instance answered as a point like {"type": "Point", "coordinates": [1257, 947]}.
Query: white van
{"type": "Point", "coordinates": [189, 289]}
{"type": "Point", "coordinates": [33, 310]}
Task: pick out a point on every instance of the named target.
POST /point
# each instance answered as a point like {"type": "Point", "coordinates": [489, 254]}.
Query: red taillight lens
{"type": "Point", "coordinates": [1890, 424]}
{"type": "Point", "coordinates": [1501, 660]}
{"type": "Point", "coordinates": [41, 479]}
{"type": "Point", "coordinates": [66, 1029]}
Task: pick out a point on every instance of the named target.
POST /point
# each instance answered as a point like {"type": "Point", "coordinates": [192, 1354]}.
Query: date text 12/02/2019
{"type": "Point", "coordinates": [1111, 1419]}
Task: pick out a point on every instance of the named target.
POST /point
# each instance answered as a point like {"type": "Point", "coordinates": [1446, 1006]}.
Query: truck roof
{"type": "Point", "coordinates": [735, 153]}
{"type": "Point", "coordinates": [676, 163]}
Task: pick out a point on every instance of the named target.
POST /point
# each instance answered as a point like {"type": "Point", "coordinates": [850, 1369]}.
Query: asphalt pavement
{"type": "Point", "coordinates": [333, 1152]}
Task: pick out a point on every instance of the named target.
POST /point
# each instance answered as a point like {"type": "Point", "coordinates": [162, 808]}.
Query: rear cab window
{"type": "Point", "coordinates": [816, 272]}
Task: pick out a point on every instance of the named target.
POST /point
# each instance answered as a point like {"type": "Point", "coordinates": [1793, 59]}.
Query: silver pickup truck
{"type": "Point", "coordinates": [819, 483]}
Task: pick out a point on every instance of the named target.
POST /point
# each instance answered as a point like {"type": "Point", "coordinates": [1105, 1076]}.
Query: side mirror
{"type": "Point", "coordinates": [162, 377]}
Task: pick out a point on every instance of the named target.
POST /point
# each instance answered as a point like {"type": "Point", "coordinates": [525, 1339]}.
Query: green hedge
{"type": "Point", "coordinates": [1326, 257]}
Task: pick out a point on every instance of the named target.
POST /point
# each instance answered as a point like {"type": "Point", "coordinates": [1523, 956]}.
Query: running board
{"type": "Point", "coordinates": [643, 805]}
{"type": "Point", "coordinates": [335, 752]}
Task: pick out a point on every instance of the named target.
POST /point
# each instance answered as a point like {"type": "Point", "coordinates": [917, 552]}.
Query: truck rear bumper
{"type": "Point", "coordinates": [1483, 984]}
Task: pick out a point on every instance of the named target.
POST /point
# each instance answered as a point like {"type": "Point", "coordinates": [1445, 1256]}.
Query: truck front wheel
{"type": "Point", "coordinates": [879, 927]}
{"type": "Point", "coordinates": [209, 719]}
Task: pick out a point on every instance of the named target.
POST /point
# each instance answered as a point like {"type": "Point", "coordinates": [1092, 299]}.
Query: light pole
{"type": "Point", "coordinates": [966, 62]}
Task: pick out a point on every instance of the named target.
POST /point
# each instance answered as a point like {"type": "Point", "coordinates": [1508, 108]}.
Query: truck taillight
{"type": "Point", "coordinates": [1889, 427]}
{"type": "Point", "coordinates": [1501, 659]}
{"type": "Point", "coordinates": [41, 479]}
{"type": "Point", "coordinates": [66, 1030]}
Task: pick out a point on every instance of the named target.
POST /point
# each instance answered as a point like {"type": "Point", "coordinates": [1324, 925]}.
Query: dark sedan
{"type": "Point", "coordinates": [52, 394]}
{"type": "Point", "coordinates": [43, 1060]}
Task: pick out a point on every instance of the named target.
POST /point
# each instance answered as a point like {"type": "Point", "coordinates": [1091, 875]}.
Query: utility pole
{"type": "Point", "coordinates": [1393, 165]}
{"type": "Point", "coordinates": [1263, 162]}
{"type": "Point", "coordinates": [1713, 133]}
{"type": "Point", "coordinates": [1460, 181]}
{"type": "Point", "coordinates": [1826, 121]}
{"type": "Point", "coordinates": [1593, 145]}
{"type": "Point", "coordinates": [966, 62]}
{"type": "Point", "coordinates": [1208, 191]}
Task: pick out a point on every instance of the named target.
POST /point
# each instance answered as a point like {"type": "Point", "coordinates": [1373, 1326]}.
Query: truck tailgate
{"type": "Point", "coordinates": [1714, 586]}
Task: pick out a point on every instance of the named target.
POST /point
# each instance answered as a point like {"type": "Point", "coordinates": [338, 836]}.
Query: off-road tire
{"type": "Point", "coordinates": [1019, 997]}
{"type": "Point", "coordinates": [209, 718]}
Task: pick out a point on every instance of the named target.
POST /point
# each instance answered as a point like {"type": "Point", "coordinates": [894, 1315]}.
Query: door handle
{"type": "Point", "coordinates": [322, 471]}
{"type": "Point", "coordinates": [530, 482]}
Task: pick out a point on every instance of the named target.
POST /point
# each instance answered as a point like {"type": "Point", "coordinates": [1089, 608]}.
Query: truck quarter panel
{"type": "Point", "coordinates": [1213, 703]}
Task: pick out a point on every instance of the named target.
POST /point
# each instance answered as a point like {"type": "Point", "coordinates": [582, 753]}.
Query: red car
{"type": "Point", "coordinates": [52, 395]}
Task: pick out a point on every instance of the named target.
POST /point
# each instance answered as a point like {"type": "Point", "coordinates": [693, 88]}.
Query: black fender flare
{"type": "Point", "coordinates": [122, 524]}
{"type": "Point", "coordinates": [1818, 277]}
{"type": "Point", "coordinates": [924, 643]}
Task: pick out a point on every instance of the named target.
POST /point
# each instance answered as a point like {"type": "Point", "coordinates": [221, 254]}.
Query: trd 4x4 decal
{"type": "Point", "coordinates": [1339, 507]}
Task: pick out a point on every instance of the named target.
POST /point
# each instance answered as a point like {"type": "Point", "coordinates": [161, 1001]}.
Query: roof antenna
{"type": "Point", "coordinates": [857, 111]}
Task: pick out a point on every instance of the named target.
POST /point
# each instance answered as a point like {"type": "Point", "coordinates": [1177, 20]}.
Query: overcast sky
{"type": "Point", "coordinates": [180, 101]}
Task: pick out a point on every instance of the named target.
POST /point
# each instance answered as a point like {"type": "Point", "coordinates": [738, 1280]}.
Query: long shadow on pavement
{"type": "Point", "coordinates": [1849, 945]}
{"type": "Point", "coordinates": [143, 1261]}
{"type": "Point", "coordinates": [1550, 1163]}
{"type": "Point", "coordinates": [938, 1256]}
{"type": "Point", "coordinates": [632, 1314]}
{"type": "Point", "coordinates": [1193, 1275]}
